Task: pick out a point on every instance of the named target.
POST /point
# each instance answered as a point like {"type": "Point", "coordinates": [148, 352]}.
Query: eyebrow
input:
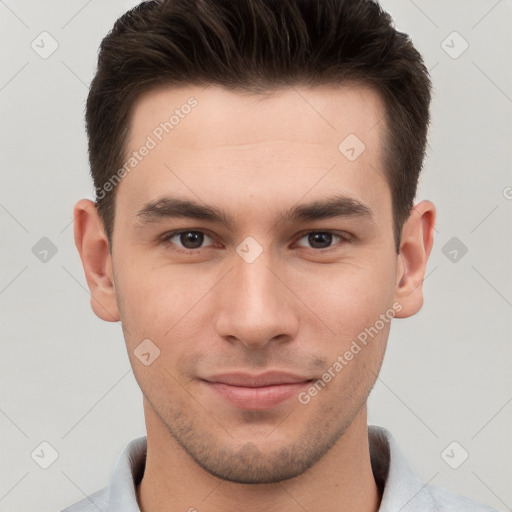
{"type": "Point", "coordinates": [173, 207]}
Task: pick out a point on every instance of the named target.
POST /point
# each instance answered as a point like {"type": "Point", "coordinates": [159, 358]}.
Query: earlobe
{"type": "Point", "coordinates": [92, 244]}
{"type": "Point", "coordinates": [415, 247]}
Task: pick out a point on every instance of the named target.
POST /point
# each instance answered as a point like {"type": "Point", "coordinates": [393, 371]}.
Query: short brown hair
{"type": "Point", "coordinates": [257, 45]}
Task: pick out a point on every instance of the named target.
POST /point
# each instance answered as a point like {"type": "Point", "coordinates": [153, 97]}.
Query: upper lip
{"type": "Point", "coordinates": [256, 381]}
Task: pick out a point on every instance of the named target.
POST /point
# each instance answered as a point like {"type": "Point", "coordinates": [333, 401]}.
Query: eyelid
{"type": "Point", "coordinates": [345, 235]}
{"type": "Point", "coordinates": [165, 238]}
{"type": "Point", "coordinates": [345, 238]}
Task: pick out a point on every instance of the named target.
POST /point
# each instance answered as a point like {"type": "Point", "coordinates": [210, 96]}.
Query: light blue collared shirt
{"type": "Point", "coordinates": [403, 491]}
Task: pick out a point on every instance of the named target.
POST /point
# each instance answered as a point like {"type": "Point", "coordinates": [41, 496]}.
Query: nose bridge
{"type": "Point", "coordinates": [257, 288]}
{"type": "Point", "coordinates": [255, 308]}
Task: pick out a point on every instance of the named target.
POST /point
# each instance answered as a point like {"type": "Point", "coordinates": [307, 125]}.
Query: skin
{"type": "Point", "coordinates": [296, 308]}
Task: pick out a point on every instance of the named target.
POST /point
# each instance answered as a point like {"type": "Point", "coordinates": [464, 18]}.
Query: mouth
{"type": "Point", "coordinates": [256, 392]}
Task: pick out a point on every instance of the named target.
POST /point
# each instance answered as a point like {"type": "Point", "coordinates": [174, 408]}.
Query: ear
{"type": "Point", "coordinates": [415, 246]}
{"type": "Point", "coordinates": [92, 244]}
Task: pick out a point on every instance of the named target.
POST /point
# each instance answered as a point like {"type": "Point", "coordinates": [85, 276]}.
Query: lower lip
{"type": "Point", "coordinates": [257, 399]}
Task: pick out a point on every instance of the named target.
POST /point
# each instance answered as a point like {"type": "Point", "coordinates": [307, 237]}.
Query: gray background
{"type": "Point", "coordinates": [65, 375]}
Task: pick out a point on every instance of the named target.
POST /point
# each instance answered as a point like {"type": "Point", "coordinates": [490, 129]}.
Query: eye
{"type": "Point", "coordinates": [324, 239]}
{"type": "Point", "coordinates": [190, 242]}
{"type": "Point", "coordinates": [187, 240]}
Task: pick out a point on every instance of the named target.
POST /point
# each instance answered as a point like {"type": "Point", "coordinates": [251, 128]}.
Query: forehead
{"type": "Point", "coordinates": [240, 117]}
{"type": "Point", "coordinates": [278, 145]}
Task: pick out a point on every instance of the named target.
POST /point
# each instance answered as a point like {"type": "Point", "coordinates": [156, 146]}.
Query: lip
{"type": "Point", "coordinates": [256, 392]}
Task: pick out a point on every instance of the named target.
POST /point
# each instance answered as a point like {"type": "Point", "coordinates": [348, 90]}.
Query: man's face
{"type": "Point", "coordinates": [267, 292]}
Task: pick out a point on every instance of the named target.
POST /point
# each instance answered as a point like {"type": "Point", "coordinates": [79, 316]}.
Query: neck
{"type": "Point", "coordinates": [341, 481]}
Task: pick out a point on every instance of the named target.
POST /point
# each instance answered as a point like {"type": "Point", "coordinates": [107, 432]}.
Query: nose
{"type": "Point", "coordinates": [256, 305]}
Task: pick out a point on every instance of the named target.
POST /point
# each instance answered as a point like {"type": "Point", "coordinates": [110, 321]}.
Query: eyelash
{"type": "Point", "coordinates": [344, 238]}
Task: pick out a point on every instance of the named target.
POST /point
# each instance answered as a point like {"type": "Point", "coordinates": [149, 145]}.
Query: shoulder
{"type": "Point", "coordinates": [92, 503]}
{"type": "Point", "coordinates": [120, 494]}
{"type": "Point", "coordinates": [447, 501]}
{"type": "Point", "coordinates": [402, 489]}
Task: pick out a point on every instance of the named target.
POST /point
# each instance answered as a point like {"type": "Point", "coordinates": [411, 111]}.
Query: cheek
{"type": "Point", "coordinates": [158, 303]}
{"type": "Point", "coordinates": [351, 299]}
{"type": "Point", "coordinates": [357, 307]}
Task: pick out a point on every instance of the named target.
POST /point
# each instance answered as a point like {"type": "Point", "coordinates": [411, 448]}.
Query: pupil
{"type": "Point", "coordinates": [317, 237]}
{"type": "Point", "coordinates": [191, 236]}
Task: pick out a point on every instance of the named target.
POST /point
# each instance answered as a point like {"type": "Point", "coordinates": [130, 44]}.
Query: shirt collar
{"type": "Point", "coordinates": [401, 488]}
{"type": "Point", "coordinates": [126, 475]}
